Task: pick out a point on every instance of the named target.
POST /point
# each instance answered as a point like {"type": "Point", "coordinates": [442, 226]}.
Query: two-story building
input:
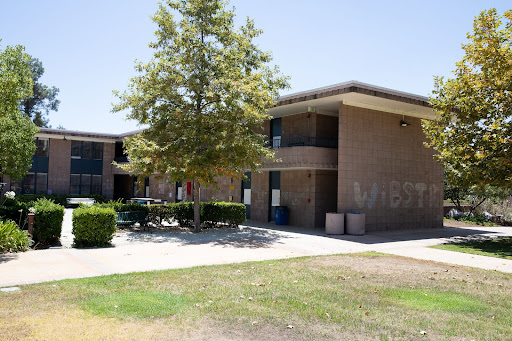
{"type": "Point", "coordinates": [350, 147]}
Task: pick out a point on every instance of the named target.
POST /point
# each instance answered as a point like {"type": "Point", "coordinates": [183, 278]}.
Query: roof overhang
{"type": "Point", "coordinates": [327, 100]}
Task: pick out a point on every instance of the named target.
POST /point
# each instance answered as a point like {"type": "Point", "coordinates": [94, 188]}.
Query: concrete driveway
{"type": "Point", "coordinates": [170, 248]}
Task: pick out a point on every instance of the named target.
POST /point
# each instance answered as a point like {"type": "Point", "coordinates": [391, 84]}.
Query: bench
{"type": "Point", "coordinates": [125, 219]}
{"type": "Point", "coordinates": [75, 202]}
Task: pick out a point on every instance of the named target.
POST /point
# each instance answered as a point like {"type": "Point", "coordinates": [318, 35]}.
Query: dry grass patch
{"type": "Point", "coordinates": [365, 296]}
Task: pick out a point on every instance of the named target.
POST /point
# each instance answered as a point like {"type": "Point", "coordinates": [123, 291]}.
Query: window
{"type": "Point", "coordinates": [43, 147]}
{"type": "Point", "coordinates": [86, 150]}
{"type": "Point", "coordinates": [74, 184]}
{"type": "Point", "coordinates": [97, 153]}
{"type": "Point", "coordinates": [96, 184]}
{"type": "Point", "coordinates": [32, 183]}
{"type": "Point", "coordinates": [41, 183]}
{"type": "Point", "coordinates": [85, 184]}
{"type": "Point", "coordinates": [76, 149]}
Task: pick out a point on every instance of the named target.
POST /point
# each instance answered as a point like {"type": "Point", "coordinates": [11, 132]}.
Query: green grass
{"type": "Point", "coordinates": [498, 247]}
{"type": "Point", "coordinates": [363, 296]}
{"type": "Point", "coordinates": [137, 304]}
{"type": "Point", "coordinates": [429, 300]}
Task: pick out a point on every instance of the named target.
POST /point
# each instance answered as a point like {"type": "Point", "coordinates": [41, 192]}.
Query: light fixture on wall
{"type": "Point", "coordinates": [65, 139]}
{"type": "Point", "coordinates": [403, 123]}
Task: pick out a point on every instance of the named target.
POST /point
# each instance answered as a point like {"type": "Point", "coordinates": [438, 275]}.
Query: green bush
{"type": "Point", "coordinates": [159, 213]}
{"type": "Point", "coordinates": [213, 214]}
{"type": "Point", "coordinates": [57, 198]}
{"type": "Point", "coordinates": [118, 206]}
{"type": "Point", "coordinates": [16, 211]}
{"type": "Point", "coordinates": [47, 221]}
{"type": "Point", "coordinates": [12, 239]}
{"type": "Point", "coordinates": [93, 226]}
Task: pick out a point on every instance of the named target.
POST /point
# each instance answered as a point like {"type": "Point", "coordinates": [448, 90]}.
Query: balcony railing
{"type": "Point", "coordinates": [295, 141]}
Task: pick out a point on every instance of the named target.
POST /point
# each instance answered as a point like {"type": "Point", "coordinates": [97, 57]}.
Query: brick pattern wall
{"type": "Point", "coordinates": [298, 125]}
{"type": "Point", "coordinates": [325, 194]}
{"type": "Point", "coordinates": [107, 178]}
{"type": "Point", "coordinates": [226, 189]}
{"type": "Point", "coordinates": [259, 196]}
{"type": "Point", "coordinates": [326, 126]}
{"type": "Point", "coordinates": [160, 188]}
{"type": "Point", "coordinates": [298, 193]}
{"type": "Point", "coordinates": [385, 171]}
{"type": "Point", "coordinates": [59, 166]}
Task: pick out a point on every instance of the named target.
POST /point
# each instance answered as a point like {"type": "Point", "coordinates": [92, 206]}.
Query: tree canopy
{"type": "Point", "coordinates": [43, 98]}
{"type": "Point", "coordinates": [203, 96]}
{"type": "Point", "coordinates": [16, 131]}
{"type": "Point", "coordinates": [473, 130]}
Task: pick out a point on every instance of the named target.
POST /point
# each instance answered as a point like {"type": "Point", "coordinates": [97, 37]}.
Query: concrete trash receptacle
{"type": "Point", "coordinates": [335, 223]}
{"type": "Point", "coordinates": [355, 223]}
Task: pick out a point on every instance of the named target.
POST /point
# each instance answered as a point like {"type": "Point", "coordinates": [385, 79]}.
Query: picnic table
{"type": "Point", "coordinates": [75, 202]}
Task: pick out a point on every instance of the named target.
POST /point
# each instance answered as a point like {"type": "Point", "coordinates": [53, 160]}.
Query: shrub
{"type": "Point", "coordinates": [213, 214]}
{"type": "Point", "coordinates": [47, 221]}
{"type": "Point", "coordinates": [12, 239]}
{"type": "Point", "coordinates": [118, 206]}
{"type": "Point", "coordinates": [159, 213]}
{"type": "Point", "coordinates": [93, 226]}
{"type": "Point", "coordinates": [57, 198]}
{"type": "Point", "coordinates": [16, 211]}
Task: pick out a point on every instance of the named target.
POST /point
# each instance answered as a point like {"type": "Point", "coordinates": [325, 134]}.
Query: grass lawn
{"type": "Point", "coordinates": [346, 297]}
{"type": "Point", "coordinates": [498, 247]}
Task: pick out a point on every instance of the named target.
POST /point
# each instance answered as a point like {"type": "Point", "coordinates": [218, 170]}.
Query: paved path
{"type": "Point", "coordinates": [176, 248]}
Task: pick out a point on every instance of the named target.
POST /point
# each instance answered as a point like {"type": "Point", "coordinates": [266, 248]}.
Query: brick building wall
{"type": "Point", "coordinates": [107, 186]}
{"type": "Point", "coordinates": [260, 196]}
{"type": "Point", "coordinates": [59, 166]}
{"type": "Point", "coordinates": [385, 171]}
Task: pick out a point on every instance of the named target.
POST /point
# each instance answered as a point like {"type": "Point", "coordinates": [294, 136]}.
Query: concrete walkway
{"type": "Point", "coordinates": [177, 248]}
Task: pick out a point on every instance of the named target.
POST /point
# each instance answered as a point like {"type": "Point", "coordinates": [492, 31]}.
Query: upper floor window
{"type": "Point", "coordinates": [43, 147]}
{"type": "Point", "coordinates": [86, 150]}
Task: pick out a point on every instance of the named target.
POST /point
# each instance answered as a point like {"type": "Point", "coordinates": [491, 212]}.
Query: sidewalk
{"type": "Point", "coordinates": [175, 248]}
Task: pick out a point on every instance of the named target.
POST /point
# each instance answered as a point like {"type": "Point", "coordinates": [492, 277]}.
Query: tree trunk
{"type": "Point", "coordinates": [197, 207]}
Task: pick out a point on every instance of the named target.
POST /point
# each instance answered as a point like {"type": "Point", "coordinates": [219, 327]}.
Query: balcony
{"type": "Point", "coordinates": [302, 141]}
{"type": "Point", "coordinates": [307, 153]}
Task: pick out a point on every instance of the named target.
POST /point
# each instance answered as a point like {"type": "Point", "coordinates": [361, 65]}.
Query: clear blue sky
{"type": "Point", "coordinates": [88, 47]}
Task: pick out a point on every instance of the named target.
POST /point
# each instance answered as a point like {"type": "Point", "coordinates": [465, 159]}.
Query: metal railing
{"type": "Point", "coordinates": [295, 141]}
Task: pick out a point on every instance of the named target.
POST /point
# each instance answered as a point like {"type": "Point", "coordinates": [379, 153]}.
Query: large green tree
{"type": "Point", "coordinates": [473, 130]}
{"type": "Point", "coordinates": [204, 96]}
{"type": "Point", "coordinates": [43, 98]}
{"type": "Point", "coordinates": [16, 130]}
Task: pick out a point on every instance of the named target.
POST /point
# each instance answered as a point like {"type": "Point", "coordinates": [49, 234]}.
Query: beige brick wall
{"type": "Point", "coordinates": [59, 166]}
{"type": "Point", "coordinates": [325, 194]}
{"type": "Point", "coordinates": [162, 188]}
{"type": "Point", "coordinates": [228, 187]}
{"type": "Point", "coordinates": [259, 196]}
{"type": "Point", "coordinates": [304, 157]}
{"type": "Point", "coordinates": [107, 172]}
{"type": "Point", "coordinates": [326, 126]}
{"type": "Point", "coordinates": [298, 193]}
{"type": "Point", "coordinates": [385, 171]}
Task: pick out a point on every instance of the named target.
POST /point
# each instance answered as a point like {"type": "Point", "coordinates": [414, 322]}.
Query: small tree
{"type": "Point", "coordinates": [473, 132]}
{"type": "Point", "coordinates": [16, 131]}
{"type": "Point", "coordinates": [203, 96]}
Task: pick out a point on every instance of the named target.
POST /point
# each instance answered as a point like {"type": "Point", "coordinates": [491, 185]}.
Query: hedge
{"type": "Point", "coordinates": [47, 221]}
{"type": "Point", "coordinates": [118, 206]}
{"type": "Point", "coordinates": [93, 226]}
{"type": "Point", "coordinates": [57, 198]}
{"type": "Point", "coordinates": [213, 214]}
{"type": "Point", "coordinates": [12, 238]}
{"type": "Point", "coordinates": [159, 213]}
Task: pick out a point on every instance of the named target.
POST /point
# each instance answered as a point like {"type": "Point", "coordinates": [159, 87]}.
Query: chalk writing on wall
{"type": "Point", "coordinates": [396, 194]}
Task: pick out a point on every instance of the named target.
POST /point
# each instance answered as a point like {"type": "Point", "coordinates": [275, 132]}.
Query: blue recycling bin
{"type": "Point", "coordinates": [281, 215]}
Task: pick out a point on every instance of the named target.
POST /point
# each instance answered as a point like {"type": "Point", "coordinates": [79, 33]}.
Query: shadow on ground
{"type": "Point", "coordinates": [6, 257]}
{"type": "Point", "coordinates": [241, 237]}
{"type": "Point", "coordinates": [376, 237]}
